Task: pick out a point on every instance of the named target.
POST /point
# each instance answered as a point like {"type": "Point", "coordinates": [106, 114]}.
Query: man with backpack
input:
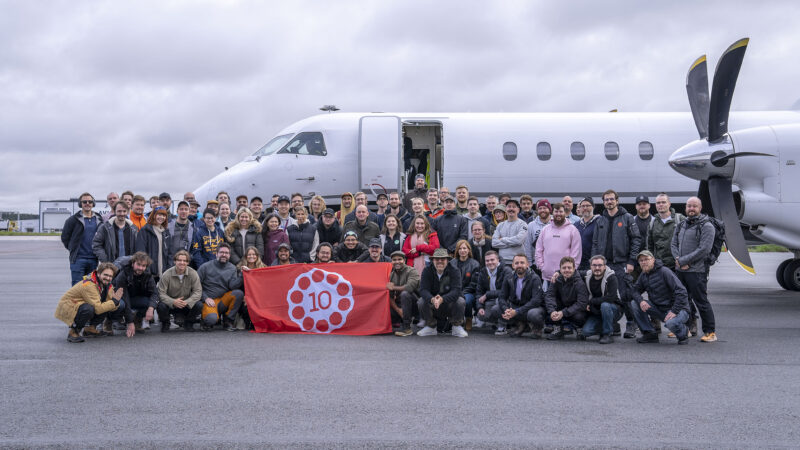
{"type": "Point", "coordinates": [693, 246]}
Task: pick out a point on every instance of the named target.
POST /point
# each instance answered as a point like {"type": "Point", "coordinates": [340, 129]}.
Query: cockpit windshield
{"type": "Point", "coordinates": [306, 143]}
{"type": "Point", "coordinates": [273, 145]}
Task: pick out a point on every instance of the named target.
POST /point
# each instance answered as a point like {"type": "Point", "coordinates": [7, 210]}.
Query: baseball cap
{"type": "Point", "coordinates": [375, 242]}
{"type": "Point", "coordinates": [645, 253]}
{"type": "Point", "coordinates": [328, 212]}
{"type": "Point", "coordinates": [642, 198]}
{"type": "Point", "coordinates": [283, 198]}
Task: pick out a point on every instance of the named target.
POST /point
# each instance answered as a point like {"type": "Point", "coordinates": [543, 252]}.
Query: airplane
{"type": "Point", "coordinates": [548, 155]}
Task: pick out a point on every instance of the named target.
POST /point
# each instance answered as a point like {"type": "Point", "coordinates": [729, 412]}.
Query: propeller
{"type": "Point", "coordinates": [710, 115]}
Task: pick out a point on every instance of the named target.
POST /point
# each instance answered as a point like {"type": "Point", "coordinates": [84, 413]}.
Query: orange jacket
{"type": "Point", "coordinates": [138, 220]}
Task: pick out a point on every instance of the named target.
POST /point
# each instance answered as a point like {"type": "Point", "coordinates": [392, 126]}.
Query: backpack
{"type": "Point", "coordinates": [719, 238]}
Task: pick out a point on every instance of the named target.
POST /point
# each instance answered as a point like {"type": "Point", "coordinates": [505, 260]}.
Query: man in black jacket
{"type": "Point", "coordinates": [488, 285]}
{"type": "Point", "coordinates": [77, 236]}
{"type": "Point", "coordinates": [667, 300]}
{"type": "Point", "coordinates": [616, 237]}
{"type": "Point", "coordinates": [450, 226]}
{"type": "Point", "coordinates": [440, 296]}
{"type": "Point", "coordinates": [566, 300]}
{"type": "Point", "coordinates": [520, 300]}
{"type": "Point", "coordinates": [605, 307]}
{"type": "Point", "coordinates": [139, 292]}
{"type": "Point", "coordinates": [328, 228]}
{"type": "Point", "coordinates": [116, 238]}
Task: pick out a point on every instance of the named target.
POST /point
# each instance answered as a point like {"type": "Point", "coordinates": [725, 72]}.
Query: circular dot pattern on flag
{"type": "Point", "coordinates": [319, 301]}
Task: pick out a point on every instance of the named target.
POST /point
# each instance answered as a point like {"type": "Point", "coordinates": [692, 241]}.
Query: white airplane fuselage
{"type": "Point", "coordinates": [471, 146]}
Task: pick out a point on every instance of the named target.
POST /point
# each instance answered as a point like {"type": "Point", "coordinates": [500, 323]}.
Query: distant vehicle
{"type": "Point", "coordinates": [546, 155]}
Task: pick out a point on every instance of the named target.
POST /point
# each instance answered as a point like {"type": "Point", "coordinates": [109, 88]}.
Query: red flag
{"type": "Point", "coordinates": [339, 298]}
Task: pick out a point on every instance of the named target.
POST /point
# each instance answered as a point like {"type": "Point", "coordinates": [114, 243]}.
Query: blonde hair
{"type": "Point", "coordinates": [259, 264]}
{"type": "Point", "coordinates": [234, 225]}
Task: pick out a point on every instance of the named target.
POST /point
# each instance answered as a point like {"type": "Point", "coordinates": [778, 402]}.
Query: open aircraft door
{"type": "Point", "coordinates": [379, 143]}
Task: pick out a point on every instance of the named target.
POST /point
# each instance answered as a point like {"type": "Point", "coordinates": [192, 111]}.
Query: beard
{"type": "Point", "coordinates": [558, 222]}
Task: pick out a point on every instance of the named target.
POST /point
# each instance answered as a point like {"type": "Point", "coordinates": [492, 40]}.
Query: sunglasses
{"type": "Point", "coordinates": [87, 202]}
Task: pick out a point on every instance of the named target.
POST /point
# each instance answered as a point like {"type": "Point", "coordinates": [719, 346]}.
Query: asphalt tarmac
{"type": "Point", "coordinates": [223, 389]}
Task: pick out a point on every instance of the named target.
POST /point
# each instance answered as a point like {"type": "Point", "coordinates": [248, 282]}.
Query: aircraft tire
{"type": "Point", "coordinates": [791, 275]}
{"type": "Point", "coordinates": [781, 271]}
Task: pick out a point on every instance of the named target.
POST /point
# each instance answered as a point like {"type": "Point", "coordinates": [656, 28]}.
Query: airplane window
{"type": "Point", "coordinates": [577, 150]}
{"type": "Point", "coordinates": [543, 151]}
{"type": "Point", "coordinates": [273, 145]}
{"type": "Point", "coordinates": [612, 151]}
{"type": "Point", "coordinates": [645, 150]}
{"type": "Point", "coordinates": [306, 143]}
{"type": "Point", "coordinates": [509, 151]}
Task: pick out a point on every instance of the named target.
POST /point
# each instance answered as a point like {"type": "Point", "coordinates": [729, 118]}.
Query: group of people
{"type": "Point", "coordinates": [457, 264]}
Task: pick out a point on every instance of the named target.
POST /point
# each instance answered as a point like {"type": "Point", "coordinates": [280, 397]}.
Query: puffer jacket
{"type": "Point", "coordinates": [569, 295]}
{"type": "Point", "coordinates": [690, 247]}
{"type": "Point", "coordinates": [146, 241]}
{"type": "Point", "coordinates": [467, 269]}
{"type": "Point", "coordinates": [304, 240]}
{"type": "Point", "coordinates": [252, 238]}
{"type": "Point", "coordinates": [664, 290]}
{"type": "Point", "coordinates": [87, 291]}
{"type": "Point", "coordinates": [625, 239]}
{"type": "Point", "coordinates": [531, 297]}
{"type": "Point", "coordinates": [659, 240]}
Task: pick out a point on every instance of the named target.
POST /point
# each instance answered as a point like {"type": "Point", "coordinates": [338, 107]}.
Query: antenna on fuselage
{"type": "Point", "coordinates": [329, 108]}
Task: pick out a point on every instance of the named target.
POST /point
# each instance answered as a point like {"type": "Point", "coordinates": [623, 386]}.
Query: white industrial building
{"type": "Point", "coordinates": [53, 213]}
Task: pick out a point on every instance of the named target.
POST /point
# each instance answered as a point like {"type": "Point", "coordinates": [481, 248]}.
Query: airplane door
{"type": "Point", "coordinates": [379, 154]}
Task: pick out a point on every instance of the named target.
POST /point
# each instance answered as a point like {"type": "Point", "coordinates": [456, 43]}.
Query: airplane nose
{"type": "Point", "coordinates": [694, 159]}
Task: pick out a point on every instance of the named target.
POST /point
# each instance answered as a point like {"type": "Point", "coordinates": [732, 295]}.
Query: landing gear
{"type": "Point", "coordinates": [788, 274]}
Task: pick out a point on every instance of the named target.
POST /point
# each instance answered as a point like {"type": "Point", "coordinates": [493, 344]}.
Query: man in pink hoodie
{"type": "Point", "coordinates": [558, 239]}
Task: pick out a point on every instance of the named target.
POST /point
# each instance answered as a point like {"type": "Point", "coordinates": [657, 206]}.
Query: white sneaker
{"type": "Point", "coordinates": [421, 323]}
{"type": "Point", "coordinates": [459, 331]}
{"type": "Point", "coordinates": [428, 331]}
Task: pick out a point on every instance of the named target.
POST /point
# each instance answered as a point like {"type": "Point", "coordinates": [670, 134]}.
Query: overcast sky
{"type": "Point", "coordinates": [154, 96]}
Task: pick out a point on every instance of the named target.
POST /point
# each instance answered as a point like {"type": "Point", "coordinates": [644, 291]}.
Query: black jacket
{"type": "Point", "coordinates": [449, 286]}
{"type": "Point", "coordinates": [531, 297]}
{"type": "Point", "coordinates": [301, 238]}
{"type": "Point", "coordinates": [344, 254]}
{"type": "Point", "coordinates": [625, 239]}
{"type": "Point", "coordinates": [451, 227]}
{"type": "Point", "coordinates": [143, 285]}
{"type": "Point", "coordinates": [567, 294]}
{"type": "Point", "coordinates": [467, 269]}
{"type": "Point", "coordinates": [72, 233]}
{"type": "Point", "coordinates": [479, 252]}
{"type": "Point", "coordinates": [608, 286]}
{"type": "Point", "coordinates": [252, 238]}
{"type": "Point", "coordinates": [332, 235]}
{"type": "Point", "coordinates": [664, 290]}
{"type": "Point", "coordinates": [481, 282]}
{"type": "Point", "coordinates": [105, 244]}
{"type": "Point", "coordinates": [146, 241]}
{"type": "Point", "coordinates": [364, 258]}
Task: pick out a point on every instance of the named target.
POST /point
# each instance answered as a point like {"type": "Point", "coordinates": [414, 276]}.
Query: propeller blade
{"type": "Point", "coordinates": [720, 158]}
{"type": "Point", "coordinates": [725, 76]}
{"type": "Point", "coordinates": [722, 201]}
{"type": "Point", "coordinates": [697, 89]}
{"type": "Point", "coordinates": [705, 198]}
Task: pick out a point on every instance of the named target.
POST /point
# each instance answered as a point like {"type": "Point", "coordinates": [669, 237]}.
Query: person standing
{"type": "Point", "coordinates": [137, 212]}
{"type": "Point", "coordinates": [111, 200]}
{"type": "Point", "coordinates": [509, 236]}
{"type": "Point", "coordinates": [77, 237]}
{"type": "Point", "coordinates": [617, 238]}
{"type": "Point", "coordinates": [586, 227]}
{"type": "Point", "coordinates": [115, 239]}
{"type": "Point", "coordinates": [243, 232]}
{"type": "Point", "coordinates": [557, 240]}
{"type": "Point", "coordinates": [659, 239]}
{"type": "Point", "coordinates": [273, 237]}
{"type": "Point", "coordinates": [206, 240]}
{"type": "Point", "coordinates": [362, 226]}
{"type": "Point", "coordinates": [420, 243]}
{"type": "Point", "coordinates": [181, 229]}
{"type": "Point", "coordinates": [392, 238]}
{"type": "Point", "coordinates": [543, 218]}
{"type": "Point", "coordinates": [154, 240]}
{"type": "Point", "coordinates": [303, 237]}
{"type": "Point", "coordinates": [567, 202]}
{"type": "Point", "coordinates": [328, 228]}
{"type": "Point", "coordinates": [451, 226]}
{"type": "Point", "coordinates": [691, 248]}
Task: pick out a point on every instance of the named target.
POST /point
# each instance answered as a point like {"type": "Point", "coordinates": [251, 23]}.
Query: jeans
{"type": "Point", "coordinates": [696, 286]}
{"type": "Point", "coordinates": [677, 324]}
{"type": "Point", "coordinates": [469, 299]}
{"type": "Point", "coordinates": [603, 323]}
{"type": "Point", "coordinates": [82, 266]}
{"type": "Point", "coordinates": [625, 285]}
{"type": "Point", "coordinates": [407, 300]}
